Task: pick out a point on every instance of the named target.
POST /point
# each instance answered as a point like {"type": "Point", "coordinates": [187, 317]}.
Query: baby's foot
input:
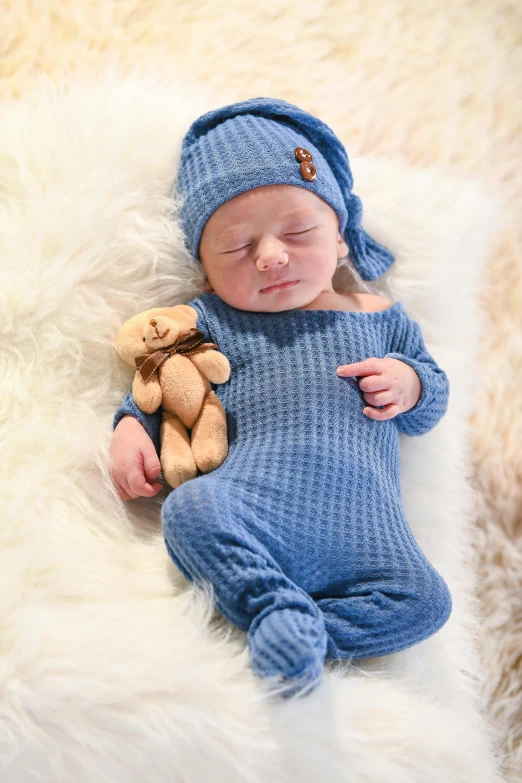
{"type": "Point", "coordinates": [289, 645]}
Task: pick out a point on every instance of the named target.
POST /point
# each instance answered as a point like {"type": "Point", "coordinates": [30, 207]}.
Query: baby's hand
{"type": "Point", "coordinates": [387, 382]}
{"type": "Point", "coordinates": [135, 464]}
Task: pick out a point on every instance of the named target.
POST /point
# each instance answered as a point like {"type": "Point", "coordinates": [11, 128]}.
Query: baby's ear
{"type": "Point", "coordinates": [207, 288]}
{"type": "Point", "coordinates": [342, 247]}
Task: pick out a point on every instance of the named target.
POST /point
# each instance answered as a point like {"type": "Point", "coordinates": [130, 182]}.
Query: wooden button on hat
{"type": "Point", "coordinates": [308, 170]}
{"type": "Point", "coordinates": [302, 154]}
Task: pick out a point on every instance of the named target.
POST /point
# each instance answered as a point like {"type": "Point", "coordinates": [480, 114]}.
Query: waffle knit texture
{"type": "Point", "coordinates": [249, 144]}
{"type": "Point", "coordinates": [302, 531]}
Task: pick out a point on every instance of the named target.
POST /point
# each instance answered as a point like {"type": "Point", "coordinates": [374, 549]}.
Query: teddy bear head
{"type": "Point", "coordinates": [153, 329]}
{"type": "Point", "coordinates": [161, 331]}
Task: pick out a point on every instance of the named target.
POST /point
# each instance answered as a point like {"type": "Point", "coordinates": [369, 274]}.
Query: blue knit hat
{"type": "Point", "coordinates": [267, 141]}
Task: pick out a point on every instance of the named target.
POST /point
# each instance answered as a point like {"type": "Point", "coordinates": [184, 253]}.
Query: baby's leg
{"type": "Point", "coordinates": [208, 535]}
{"type": "Point", "coordinates": [381, 622]}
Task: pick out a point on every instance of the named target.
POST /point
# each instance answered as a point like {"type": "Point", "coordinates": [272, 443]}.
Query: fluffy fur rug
{"type": "Point", "coordinates": [113, 667]}
{"type": "Point", "coordinates": [436, 83]}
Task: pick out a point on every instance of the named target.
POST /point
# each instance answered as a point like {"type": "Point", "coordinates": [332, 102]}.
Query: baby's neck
{"type": "Point", "coordinates": [333, 300]}
{"type": "Point", "coordinates": [329, 300]}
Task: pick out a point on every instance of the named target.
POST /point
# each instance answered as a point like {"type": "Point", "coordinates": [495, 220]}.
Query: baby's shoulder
{"type": "Point", "coordinates": [371, 303]}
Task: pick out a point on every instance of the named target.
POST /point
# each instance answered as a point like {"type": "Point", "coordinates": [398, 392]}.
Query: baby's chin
{"type": "Point", "coordinates": [273, 301]}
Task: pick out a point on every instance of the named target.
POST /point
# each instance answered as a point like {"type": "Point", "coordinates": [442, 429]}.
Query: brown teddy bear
{"type": "Point", "coordinates": [174, 370]}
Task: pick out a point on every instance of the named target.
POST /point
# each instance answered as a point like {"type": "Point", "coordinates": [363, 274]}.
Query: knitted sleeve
{"type": "Point", "coordinates": [151, 421]}
{"type": "Point", "coordinates": [433, 402]}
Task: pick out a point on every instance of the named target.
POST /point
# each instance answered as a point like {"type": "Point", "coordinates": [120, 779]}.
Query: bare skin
{"type": "Point", "coordinates": [135, 464]}
{"type": "Point", "coordinates": [256, 240]}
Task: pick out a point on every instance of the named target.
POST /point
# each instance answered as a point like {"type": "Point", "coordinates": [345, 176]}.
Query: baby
{"type": "Point", "coordinates": [301, 531]}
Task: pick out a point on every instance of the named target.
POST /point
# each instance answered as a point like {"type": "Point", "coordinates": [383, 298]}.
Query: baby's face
{"type": "Point", "coordinates": [269, 235]}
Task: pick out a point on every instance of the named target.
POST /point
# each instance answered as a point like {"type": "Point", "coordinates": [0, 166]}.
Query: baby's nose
{"type": "Point", "coordinates": [271, 254]}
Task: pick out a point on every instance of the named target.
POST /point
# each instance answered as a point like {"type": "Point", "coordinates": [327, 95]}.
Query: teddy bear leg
{"type": "Point", "coordinates": [209, 434]}
{"type": "Point", "coordinates": [176, 458]}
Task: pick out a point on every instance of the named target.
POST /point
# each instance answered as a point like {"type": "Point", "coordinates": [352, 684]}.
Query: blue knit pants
{"type": "Point", "coordinates": [210, 526]}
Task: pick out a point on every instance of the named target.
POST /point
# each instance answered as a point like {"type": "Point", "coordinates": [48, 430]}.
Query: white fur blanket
{"type": "Point", "coordinates": [112, 667]}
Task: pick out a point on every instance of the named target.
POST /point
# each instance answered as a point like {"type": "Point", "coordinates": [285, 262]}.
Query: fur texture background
{"type": "Point", "coordinates": [113, 667]}
{"type": "Point", "coordinates": [428, 83]}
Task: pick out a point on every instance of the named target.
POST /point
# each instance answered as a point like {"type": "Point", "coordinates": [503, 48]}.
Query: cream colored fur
{"type": "Point", "coordinates": [437, 84]}
{"type": "Point", "coordinates": [113, 667]}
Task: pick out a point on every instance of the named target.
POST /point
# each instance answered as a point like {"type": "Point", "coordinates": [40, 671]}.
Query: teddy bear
{"type": "Point", "coordinates": [174, 370]}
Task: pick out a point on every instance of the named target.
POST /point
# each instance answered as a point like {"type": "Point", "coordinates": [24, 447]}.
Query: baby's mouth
{"type": "Point", "coordinates": [278, 286]}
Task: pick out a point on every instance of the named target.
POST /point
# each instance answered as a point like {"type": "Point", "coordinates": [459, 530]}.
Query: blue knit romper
{"type": "Point", "coordinates": [302, 531]}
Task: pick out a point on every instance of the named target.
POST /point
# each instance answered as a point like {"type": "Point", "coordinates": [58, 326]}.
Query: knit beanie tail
{"type": "Point", "coordinates": [369, 257]}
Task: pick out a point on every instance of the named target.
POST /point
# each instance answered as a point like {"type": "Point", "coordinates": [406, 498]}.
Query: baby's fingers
{"type": "Point", "coordinates": [122, 493]}
{"type": "Point", "coordinates": [157, 487]}
{"type": "Point", "coordinates": [379, 398]}
{"type": "Point", "coordinates": [381, 414]}
{"type": "Point", "coordinates": [137, 485]}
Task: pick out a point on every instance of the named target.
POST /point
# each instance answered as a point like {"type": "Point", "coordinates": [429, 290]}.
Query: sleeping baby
{"type": "Point", "coordinates": [301, 531]}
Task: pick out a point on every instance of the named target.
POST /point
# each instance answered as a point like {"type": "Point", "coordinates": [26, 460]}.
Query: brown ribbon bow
{"type": "Point", "coordinates": [187, 343]}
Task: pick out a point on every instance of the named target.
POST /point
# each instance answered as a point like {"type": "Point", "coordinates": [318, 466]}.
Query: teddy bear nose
{"type": "Point", "coordinates": [153, 322]}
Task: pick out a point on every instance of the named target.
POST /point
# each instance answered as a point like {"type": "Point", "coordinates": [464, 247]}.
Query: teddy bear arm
{"type": "Point", "coordinates": [213, 365]}
{"type": "Point", "coordinates": [147, 395]}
